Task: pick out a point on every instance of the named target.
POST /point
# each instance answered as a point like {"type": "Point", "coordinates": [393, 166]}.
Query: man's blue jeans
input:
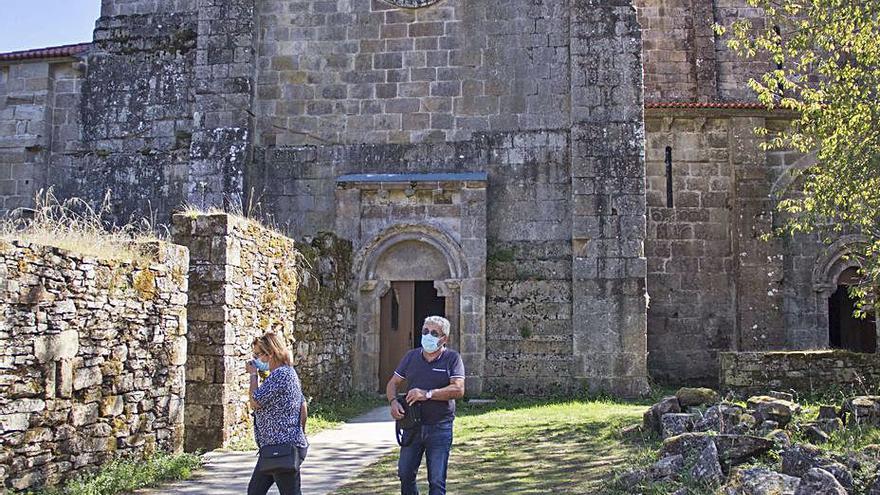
{"type": "Point", "coordinates": [434, 442]}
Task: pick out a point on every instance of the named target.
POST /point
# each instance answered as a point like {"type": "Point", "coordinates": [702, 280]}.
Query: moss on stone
{"type": "Point", "coordinates": [144, 282]}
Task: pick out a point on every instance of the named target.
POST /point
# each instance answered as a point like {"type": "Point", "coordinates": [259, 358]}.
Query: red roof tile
{"type": "Point", "coordinates": [50, 52]}
{"type": "Point", "coordinates": [747, 105]}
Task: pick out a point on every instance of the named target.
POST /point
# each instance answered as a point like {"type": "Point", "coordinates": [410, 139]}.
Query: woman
{"type": "Point", "coordinates": [280, 410]}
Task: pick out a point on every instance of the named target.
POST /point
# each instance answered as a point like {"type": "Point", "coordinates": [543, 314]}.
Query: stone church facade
{"type": "Point", "coordinates": [574, 183]}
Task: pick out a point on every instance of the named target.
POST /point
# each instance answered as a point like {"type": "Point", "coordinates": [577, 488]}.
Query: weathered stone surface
{"type": "Point", "coordinates": [760, 481]}
{"type": "Point", "coordinates": [841, 473]}
{"type": "Point", "coordinates": [667, 468]}
{"type": "Point", "coordinates": [799, 459]}
{"type": "Point", "coordinates": [827, 412]}
{"type": "Point", "coordinates": [781, 439]}
{"type": "Point", "coordinates": [815, 434]}
{"type": "Point", "coordinates": [819, 482]}
{"type": "Point", "coordinates": [707, 469]}
{"type": "Point", "coordinates": [64, 345]}
{"type": "Point", "coordinates": [651, 418]}
{"type": "Point", "coordinates": [685, 444]}
{"type": "Point", "coordinates": [769, 408]}
{"type": "Point", "coordinates": [67, 340]}
{"type": "Point", "coordinates": [696, 396]}
{"type": "Point", "coordinates": [252, 280]}
{"type": "Point", "coordinates": [737, 449]}
{"type": "Point", "coordinates": [672, 424]}
{"type": "Point", "coordinates": [863, 410]}
{"type": "Point", "coordinates": [753, 372]}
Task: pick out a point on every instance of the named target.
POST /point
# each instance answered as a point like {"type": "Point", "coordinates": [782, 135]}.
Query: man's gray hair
{"type": "Point", "coordinates": [441, 322]}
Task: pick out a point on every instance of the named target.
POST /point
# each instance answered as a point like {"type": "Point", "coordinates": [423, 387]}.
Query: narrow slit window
{"type": "Point", "coordinates": [669, 177]}
{"type": "Point", "coordinates": [778, 33]}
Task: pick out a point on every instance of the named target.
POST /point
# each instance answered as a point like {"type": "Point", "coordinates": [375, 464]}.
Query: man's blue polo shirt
{"type": "Point", "coordinates": [419, 373]}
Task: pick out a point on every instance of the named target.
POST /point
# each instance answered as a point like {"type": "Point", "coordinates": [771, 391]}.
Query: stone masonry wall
{"type": "Point", "coordinates": [38, 117]}
{"type": "Point", "coordinates": [136, 111]}
{"type": "Point", "coordinates": [715, 284]}
{"type": "Point", "coordinates": [360, 71]}
{"type": "Point", "coordinates": [804, 371]}
{"type": "Point", "coordinates": [691, 278]}
{"type": "Point", "coordinates": [528, 296]}
{"type": "Point", "coordinates": [324, 318]}
{"type": "Point", "coordinates": [92, 355]}
{"type": "Point", "coordinates": [244, 280]}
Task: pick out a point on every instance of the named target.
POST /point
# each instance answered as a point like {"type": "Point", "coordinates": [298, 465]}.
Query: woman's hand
{"type": "Point", "coordinates": [250, 368]}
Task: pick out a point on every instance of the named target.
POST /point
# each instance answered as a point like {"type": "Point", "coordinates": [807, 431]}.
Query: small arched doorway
{"type": "Point", "coordinates": [412, 267]}
{"type": "Point", "coordinates": [845, 331]}
{"type": "Point", "coordinates": [407, 273]}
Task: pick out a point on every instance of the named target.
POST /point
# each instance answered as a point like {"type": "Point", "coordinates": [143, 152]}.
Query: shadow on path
{"type": "Point", "coordinates": [335, 456]}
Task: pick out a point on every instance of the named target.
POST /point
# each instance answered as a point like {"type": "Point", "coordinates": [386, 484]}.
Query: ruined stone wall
{"type": "Point", "coordinates": [324, 319]}
{"type": "Point", "coordinates": [806, 372]}
{"type": "Point", "coordinates": [92, 355]}
{"type": "Point", "coordinates": [244, 281]}
{"type": "Point", "coordinates": [365, 71]}
{"type": "Point", "coordinates": [136, 111]}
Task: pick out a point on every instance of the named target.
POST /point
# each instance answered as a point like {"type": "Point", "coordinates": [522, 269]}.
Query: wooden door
{"type": "Point", "coordinates": [396, 328]}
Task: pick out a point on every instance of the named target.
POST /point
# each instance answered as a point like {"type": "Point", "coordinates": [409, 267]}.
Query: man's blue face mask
{"type": "Point", "coordinates": [431, 339]}
{"type": "Point", "coordinates": [430, 343]}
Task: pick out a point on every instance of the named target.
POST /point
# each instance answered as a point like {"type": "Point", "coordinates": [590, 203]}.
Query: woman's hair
{"type": "Point", "coordinates": [273, 345]}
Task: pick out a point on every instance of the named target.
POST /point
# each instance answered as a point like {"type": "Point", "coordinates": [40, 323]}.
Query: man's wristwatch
{"type": "Point", "coordinates": [429, 394]}
{"type": "Point", "coordinates": [392, 400]}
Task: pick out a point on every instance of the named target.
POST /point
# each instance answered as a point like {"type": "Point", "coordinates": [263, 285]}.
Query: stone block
{"type": "Point", "coordinates": [64, 345]}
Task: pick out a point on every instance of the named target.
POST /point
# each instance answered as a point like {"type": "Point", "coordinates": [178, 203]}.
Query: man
{"type": "Point", "coordinates": [435, 376]}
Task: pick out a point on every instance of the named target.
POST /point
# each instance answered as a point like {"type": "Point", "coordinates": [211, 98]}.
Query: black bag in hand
{"type": "Point", "coordinates": [410, 424]}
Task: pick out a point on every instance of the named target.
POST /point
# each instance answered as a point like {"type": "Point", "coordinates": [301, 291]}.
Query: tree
{"type": "Point", "coordinates": [824, 64]}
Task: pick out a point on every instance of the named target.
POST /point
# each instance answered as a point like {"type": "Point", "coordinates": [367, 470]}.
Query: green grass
{"type": "Point", "coordinates": [125, 475]}
{"type": "Point", "coordinates": [526, 447]}
{"type": "Point", "coordinates": [323, 415]}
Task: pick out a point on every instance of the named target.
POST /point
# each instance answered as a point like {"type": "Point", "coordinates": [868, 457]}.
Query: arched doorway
{"type": "Point", "coordinates": [411, 267]}
{"type": "Point", "coordinates": [407, 273]}
{"type": "Point", "coordinates": [845, 331]}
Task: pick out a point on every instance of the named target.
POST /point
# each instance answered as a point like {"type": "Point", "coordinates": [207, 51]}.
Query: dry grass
{"type": "Point", "coordinates": [74, 225]}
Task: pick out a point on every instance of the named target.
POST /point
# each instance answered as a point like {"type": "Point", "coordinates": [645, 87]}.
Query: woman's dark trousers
{"type": "Point", "coordinates": [288, 483]}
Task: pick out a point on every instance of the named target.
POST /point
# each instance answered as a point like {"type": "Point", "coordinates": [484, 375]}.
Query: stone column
{"type": "Point", "coordinates": [472, 306]}
{"type": "Point", "coordinates": [609, 268]}
{"type": "Point", "coordinates": [224, 90]}
{"type": "Point", "coordinates": [759, 268]}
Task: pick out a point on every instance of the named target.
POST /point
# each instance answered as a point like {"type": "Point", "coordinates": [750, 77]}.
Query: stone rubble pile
{"type": "Point", "coordinates": [716, 443]}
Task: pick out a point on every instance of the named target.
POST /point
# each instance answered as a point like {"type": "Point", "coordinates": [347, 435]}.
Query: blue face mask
{"type": "Point", "coordinates": [260, 365]}
{"type": "Point", "coordinates": [430, 343]}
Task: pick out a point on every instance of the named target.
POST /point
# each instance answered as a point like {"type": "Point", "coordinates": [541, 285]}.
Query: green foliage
{"type": "Point", "coordinates": [125, 475]}
{"type": "Point", "coordinates": [826, 61]}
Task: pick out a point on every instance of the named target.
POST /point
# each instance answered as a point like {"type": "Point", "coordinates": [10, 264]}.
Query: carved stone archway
{"type": "Point", "coordinates": [375, 281]}
{"type": "Point", "coordinates": [826, 272]}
